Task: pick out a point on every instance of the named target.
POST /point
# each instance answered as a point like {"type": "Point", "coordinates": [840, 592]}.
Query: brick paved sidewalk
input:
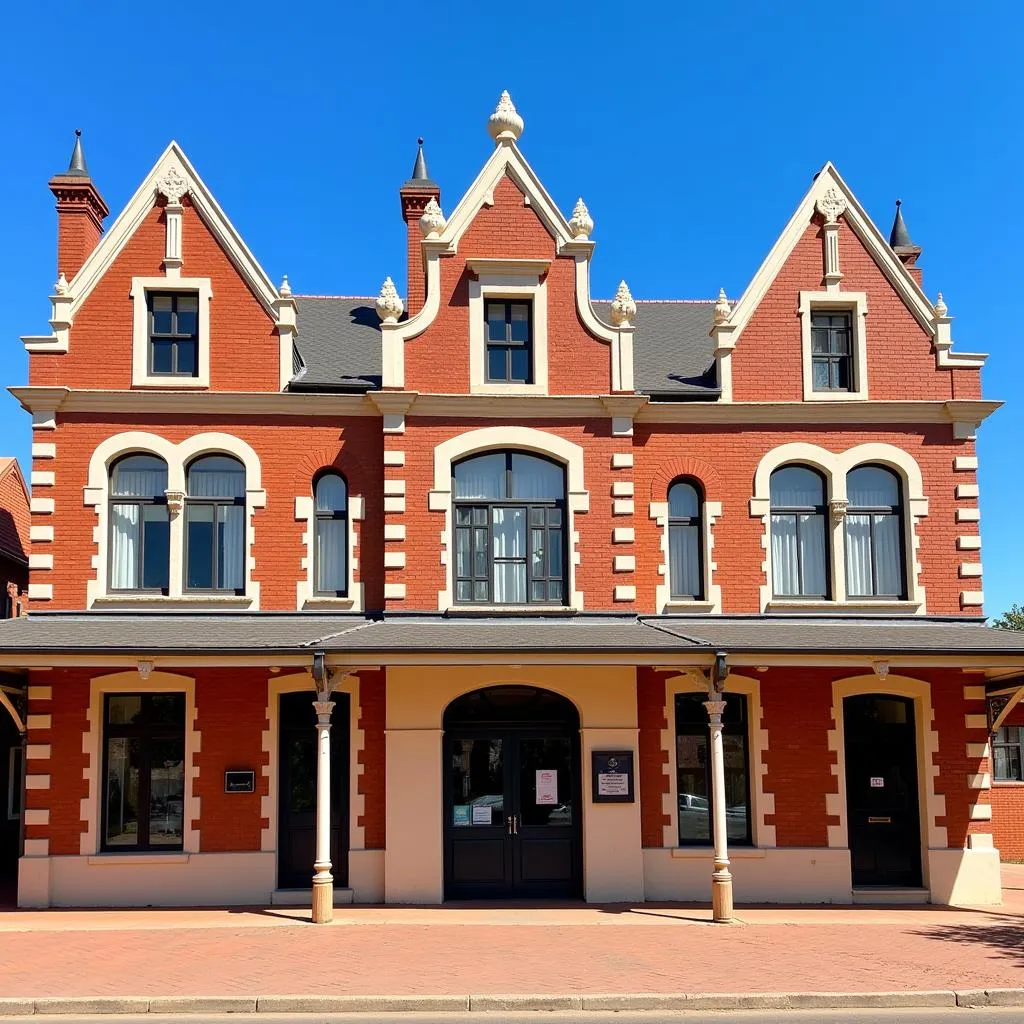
{"type": "Point", "coordinates": [396, 951]}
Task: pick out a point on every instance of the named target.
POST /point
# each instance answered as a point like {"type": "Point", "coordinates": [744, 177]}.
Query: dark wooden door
{"type": "Point", "coordinates": [512, 814]}
{"type": "Point", "coordinates": [296, 846]}
{"type": "Point", "coordinates": [881, 790]}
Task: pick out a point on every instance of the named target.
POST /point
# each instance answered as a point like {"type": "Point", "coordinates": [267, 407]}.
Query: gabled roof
{"type": "Point", "coordinates": [15, 517]}
{"type": "Point", "coordinates": [339, 346]}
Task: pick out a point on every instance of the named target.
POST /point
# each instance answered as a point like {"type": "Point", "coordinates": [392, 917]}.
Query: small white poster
{"type": "Point", "coordinates": [547, 786]}
{"type": "Point", "coordinates": [612, 784]}
{"type": "Point", "coordinates": [877, 782]}
{"type": "Point", "coordinates": [481, 814]}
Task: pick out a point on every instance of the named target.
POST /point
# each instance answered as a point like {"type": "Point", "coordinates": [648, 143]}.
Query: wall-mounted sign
{"type": "Point", "coordinates": [481, 814]}
{"type": "Point", "coordinates": [460, 815]}
{"type": "Point", "coordinates": [612, 776]}
{"type": "Point", "coordinates": [877, 782]}
{"type": "Point", "coordinates": [240, 782]}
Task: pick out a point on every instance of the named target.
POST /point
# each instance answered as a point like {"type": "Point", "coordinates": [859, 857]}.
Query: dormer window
{"type": "Point", "coordinates": [509, 342]}
{"type": "Point", "coordinates": [173, 334]}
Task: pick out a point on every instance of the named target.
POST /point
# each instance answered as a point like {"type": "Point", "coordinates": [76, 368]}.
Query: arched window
{"type": "Point", "coordinates": [139, 525]}
{"type": "Point", "coordinates": [874, 534]}
{"type": "Point", "coordinates": [330, 552]}
{"type": "Point", "coordinates": [215, 524]}
{"type": "Point", "coordinates": [685, 564]}
{"type": "Point", "coordinates": [799, 545]}
{"type": "Point", "coordinates": [509, 529]}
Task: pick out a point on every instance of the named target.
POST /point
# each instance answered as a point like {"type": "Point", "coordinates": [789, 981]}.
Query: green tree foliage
{"type": "Point", "coordinates": [1013, 619]}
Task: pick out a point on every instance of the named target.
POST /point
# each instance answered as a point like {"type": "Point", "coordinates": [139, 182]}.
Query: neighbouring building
{"type": "Point", "coordinates": [494, 590]}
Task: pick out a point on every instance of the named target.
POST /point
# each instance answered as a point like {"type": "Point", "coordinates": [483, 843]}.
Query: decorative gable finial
{"type": "Point", "coordinates": [285, 291]}
{"type": "Point", "coordinates": [722, 308]}
{"type": "Point", "coordinates": [831, 205]}
{"type": "Point", "coordinates": [432, 222]}
{"type": "Point", "coordinates": [940, 307]}
{"type": "Point", "coordinates": [173, 184]}
{"type": "Point", "coordinates": [581, 223]}
{"type": "Point", "coordinates": [389, 304]}
{"type": "Point", "coordinates": [61, 287]}
{"type": "Point", "coordinates": [623, 307]}
{"type": "Point", "coordinates": [505, 123]}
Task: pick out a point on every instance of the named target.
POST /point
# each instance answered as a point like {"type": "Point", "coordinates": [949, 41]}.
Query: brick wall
{"type": "Point", "coordinates": [373, 711]}
{"type": "Point", "coordinates": [1008, 807]}
{"type": "Point", "coordinates": [654, 783]}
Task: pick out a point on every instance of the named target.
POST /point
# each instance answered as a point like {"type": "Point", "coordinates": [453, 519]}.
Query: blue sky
{"type": "Point", "coordinates": [690, 130]}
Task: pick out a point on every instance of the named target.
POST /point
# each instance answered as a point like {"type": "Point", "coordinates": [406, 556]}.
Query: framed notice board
{"type": "Point", "coordinates": [612, 777]}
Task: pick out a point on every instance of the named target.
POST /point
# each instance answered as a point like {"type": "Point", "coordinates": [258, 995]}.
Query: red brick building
{"type": "Point", "coordinates": [602, 599]}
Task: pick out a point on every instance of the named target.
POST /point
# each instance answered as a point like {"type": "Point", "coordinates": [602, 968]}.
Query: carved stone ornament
{"type": "Point", "coordinates": [505, 122]}
{"type": "Point", "coordinates": [323, 709]}
{"type": "Point", "coordinates": [880, 668]}
{"type": "Point", "coordinates": [581, 223]}
{"type": "Point", "coordinates": [837, 507]}
{"type": "Point", "coordinates": [831, 205]}
{"type": "Point", "coordinates": [432, 222]}
{"type": "Point", "coordinates": [389, 306]}
{"type": "Point", "coordinates": [722, 308]}
{"type": "Point", "coordinates": [61, 287]}
{"type": "Point", "coordinates": [145, 669]}
{"type": "Point", "coordinates": [940, 307]}
{"type": "Point", "coordinates": [173, 185]}
{"type": "Point", "coordinates": [175, 502]}
{"type": "Point", "coordinates": [623, 307]}
{"type": "Point", "coordinates": [285, 291]}
{"type": "Point", "coordinates": [715, 710]}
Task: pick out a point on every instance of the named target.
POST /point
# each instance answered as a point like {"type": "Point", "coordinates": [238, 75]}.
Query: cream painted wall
{"type": "Point", "coordinates": [417, 697]}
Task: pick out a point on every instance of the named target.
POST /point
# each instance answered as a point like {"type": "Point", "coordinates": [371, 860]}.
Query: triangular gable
{"type": "Point", "coordinates": [9, 468]}
{"type": "Point", "coordinates": [140, 204]}
{"type": "Point", "coordinates": [863, 227]}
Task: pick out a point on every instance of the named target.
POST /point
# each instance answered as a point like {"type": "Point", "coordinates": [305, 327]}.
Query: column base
{"type": "Point", "coordinates": [323, 900]}
{"type": "Point", "coordinates": [721, 899]}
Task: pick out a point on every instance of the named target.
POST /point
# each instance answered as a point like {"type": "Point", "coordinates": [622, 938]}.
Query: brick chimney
{"type": "Point", "coordinates": [80, 213]}
{"type": "Point", "coordinates": [415, 194]}
{"type": "Point", "coordinates": [906, 251]}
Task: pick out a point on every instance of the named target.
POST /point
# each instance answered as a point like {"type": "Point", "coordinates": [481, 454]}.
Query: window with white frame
{"type": "Point", "coordinates": [509, 341]}
{"type": "Point", "coordinates": [799, 545]}
{"type": "Point", "coordinates": [1008, 754]}
{"type": "Point", "coordinates": [874, 534]}
{"type": "Point", "coordinates": [330, 536]}
{"type": "Point", "coordinates": [215, 525]}
{"type": "Point", "coordinates": [685, 541]}
{"type": "Point", "coordinates": [832, 350]}
{"type": "Point", "coordinates": [173, 334]}
{"type": "Point", "coordinates": [833, 345]}
{"type": "Point", "coordinates": [139, 525]}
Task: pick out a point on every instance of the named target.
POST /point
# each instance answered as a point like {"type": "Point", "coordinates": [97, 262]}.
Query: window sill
{"type": "Point", "coordinates": [142, 857]}
{"type": "Point", "coordinates": [690, 606]}
{"type": "Point", "coordinates": [172, 383]}
{"type": "Point", "coordinates": [328, 602]}
{"type": "Point", "coordinates": [1007, 783]}
{"type": "Point", "coordinates": [518, 610]}
{"type": "Point", "coordinates": [856, 607]}
{"type": "Point", "coordinates": [708, 853]}
{"type": "Point", "coordinates": [835, 396]}
{"type": "Point", "coordinates": [184, 601]}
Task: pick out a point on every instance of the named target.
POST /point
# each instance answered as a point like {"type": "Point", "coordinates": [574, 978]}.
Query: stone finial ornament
{"type": "Point", "coordinates": [505, 122]}
{"type": "Point", "coordinates": [940, 307]}
{"type": "Point", "coordinates": [722, 308]}
{"type": "Point", "coordinates": [432, 222]}
{"type": "Point", "coordinates": [581, 223]}
{"type": "Point", "coordinates": [389, 304]}
{"type": "Point", "coordinates": [285, 291]}
{"type": "Point", "coordinates": [831, 205]}
{"type": "Point", "coordinates": [61, 287]}
{"type": "Point", "coordinates": [623, 307]}
{"type": "Point", "coordinates": [173, 184]}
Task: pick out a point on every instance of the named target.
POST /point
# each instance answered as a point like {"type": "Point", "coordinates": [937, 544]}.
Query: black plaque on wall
{"type": "Point", "coordinates": [612, 776]}
{"type": "Point", "coordinates": [240, 782]}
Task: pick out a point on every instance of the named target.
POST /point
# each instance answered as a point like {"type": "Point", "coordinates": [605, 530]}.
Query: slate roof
{"type": "Point", "coordinates": [339, 346]}
{"type": "Point", "coordinates": [145, 633]}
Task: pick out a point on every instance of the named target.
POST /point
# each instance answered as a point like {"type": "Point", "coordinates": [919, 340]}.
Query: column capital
{"type": "Point", "coordinates": [323, 710]}
{"type": "Point", "coordinates": [715, 710]}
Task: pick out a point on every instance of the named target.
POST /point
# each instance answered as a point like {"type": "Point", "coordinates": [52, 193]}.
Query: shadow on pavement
{"type": "Point", "coordinates": [1001, 934]}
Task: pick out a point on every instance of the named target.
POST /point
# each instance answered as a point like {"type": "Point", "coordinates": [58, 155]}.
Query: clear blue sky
{"type": "Point", "coordinates": [690, 130]}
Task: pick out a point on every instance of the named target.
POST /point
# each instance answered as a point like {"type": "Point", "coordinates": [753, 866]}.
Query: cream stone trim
{"type": "Point", "coordinates": [623, 535]}
{"type": "Point", "coordinates": [40, 561]}
{"type": "Point", "coordinates": [622, 460]}
{"type": "Point", "coordinates": [177, 457]}
{"type": "Point", "coordinates": [394, 487]}
{"type": "Point", "coordinates": [40, 693]}
{"type": "Point", "coordinates": [979, 781]}
{"type": "Point", "coordinates": [624, 563]}
{"type": "Point", "coordinates": [855, 303]}
{"type": "Point", "coordinates": [981, 812]}
{"type": "Point", "coordinates": [36, 848]}
{"type": "Point", "coordinates": [516, 438]}
{"type": "Point", "coordinates": [44, 450]}
{"type": "Point", "coordinates": [962, 490]}
{"type": "Point", "coordinates": [159, 681]}
{"type": "Point", "coordinates": [968, 515]}
{"type": "Point", "coordinates": [34, 722]}
{"type": "Point", "coordinates": [623, 507]}
{"type": "Point", "coordinates": [965, 463]}
{"type": "Point", "coordinates": [972, 598]}
{"type": "Point", "coordinates": [508, 284]}
{"type": "Point", "coordinates": [974, 693]}
{"type": "Point", "coordinates": [394, 591]}
{"type": "Point", "coordinates": [622, 488]}
{"type": "Point", "coordinates": [970, 569]}
{"type": "Point", "coordinates": [40, 534]}
{"type": "Point", "coordinates": [394, 458]}
{"type": "Point", "coordinates": [971, 542]}
{"type": "Point", "coordinates": [40, 591]}
{"type": "Point", "coordinates": [712, 600]}
{"type": "Point", "coordinates": [394, 531]}
{"type": "Point", "coordinates": [42, 506]}
{"type": "Point", "coordinates": [37, 781]}
{"type": "Point", "coordinates": [305, 593]}
{"type": "Point", "coordinates": [835, 466]}
{"type": "Point", "coordinates": [39, 478]}
{"type": "Point", "coordinates": [932, 805]}
{"type": "Point", "coordinates": [37, 751]}
{"type": "Point", "coordinates": [394, 504]}
{"type": "Point", "coordinates": [141, 286]}
{"type": "Point", "coordinates": [762, 803]}
{"type": "Point", "coordinates": [37, 816]}
{"type": "Point", "coordinates": [625, 592]}
{"type": "Point", "coordinates": [293, 683]}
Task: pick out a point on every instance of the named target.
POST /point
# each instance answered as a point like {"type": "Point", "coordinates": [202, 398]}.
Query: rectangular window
{"type": "Point", "coordinates": [173, 334]}
{"type": "Point", "coordinates": [693, 770]}
{"type": "Point", "coordinates": [832, 352]}
{"type": "Point", "coordinates": [1008, 753]}
{"type": "Point", "coordinates": [509, 342]}
{"type": "Point", "coordinates": [15, 781]}
{"type": "Point", "coordinates": [143, 771]}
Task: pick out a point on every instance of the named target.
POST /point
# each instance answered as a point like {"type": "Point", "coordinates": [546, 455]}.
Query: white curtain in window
{"type": "Point", "coordinates": [888, 555]}
{"type": "Point", "coordinates": [147, 481]}
{"type": "Point", "coordinates": [858, 556]}
{"type": "Point", "coordinates": [509, 531]}
{"type": "Point", "coordinates": [125, 540]}
{"type": "Point", "coordinates": [231, 546]}
{"type": "Point", "coordinates": [684, 560]}
{"type": "Point", "coordinates": [330, 555]}
{"type": "Point", "coordinates": [482, 477]}
{"type": "Point", "coordinates": [790, 555]}
{"type": "Point", "coordinates": [812, 553]}
{"type": "Point", "coordinates": [785, 562]}
{"type": "Point", "coordinates": [536, 479]}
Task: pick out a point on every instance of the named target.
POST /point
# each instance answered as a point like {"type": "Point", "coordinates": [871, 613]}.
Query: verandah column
{"type": "Point", "coordinates": [323, 880]}
{"type": "Point", "coordinates": [721, 878]}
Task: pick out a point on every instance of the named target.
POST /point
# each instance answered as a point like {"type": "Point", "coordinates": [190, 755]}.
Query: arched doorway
{"type": "Point", "coordinates": [882, 812]}
{"type": "Point", "coordinates": [512, 806]}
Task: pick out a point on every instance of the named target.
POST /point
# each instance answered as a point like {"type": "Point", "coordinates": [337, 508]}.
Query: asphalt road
{"type": "Point", "coordinates": [897, 1016]}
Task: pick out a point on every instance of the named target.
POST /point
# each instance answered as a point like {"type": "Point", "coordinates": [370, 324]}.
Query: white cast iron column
{"type": "Point", "coordinates": [721, 879]}
{"type": "Point", "coordinates": [323, 880]}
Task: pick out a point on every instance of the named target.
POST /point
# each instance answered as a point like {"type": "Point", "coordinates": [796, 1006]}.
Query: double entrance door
{"type": "Point", "coordinates": [512, 813]}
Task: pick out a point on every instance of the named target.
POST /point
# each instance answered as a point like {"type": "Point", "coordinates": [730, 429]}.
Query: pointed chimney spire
{"type": "Point", "coordinates": [419, 169]}
{"type": "Point", "coordinates": [416, 195]}
{"type": "Point", "coordinates": [78, 167]}
{"type": "Point", "coordinates": [899, 239]}
{"type": "Point", "coordinates": [80, 212]}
